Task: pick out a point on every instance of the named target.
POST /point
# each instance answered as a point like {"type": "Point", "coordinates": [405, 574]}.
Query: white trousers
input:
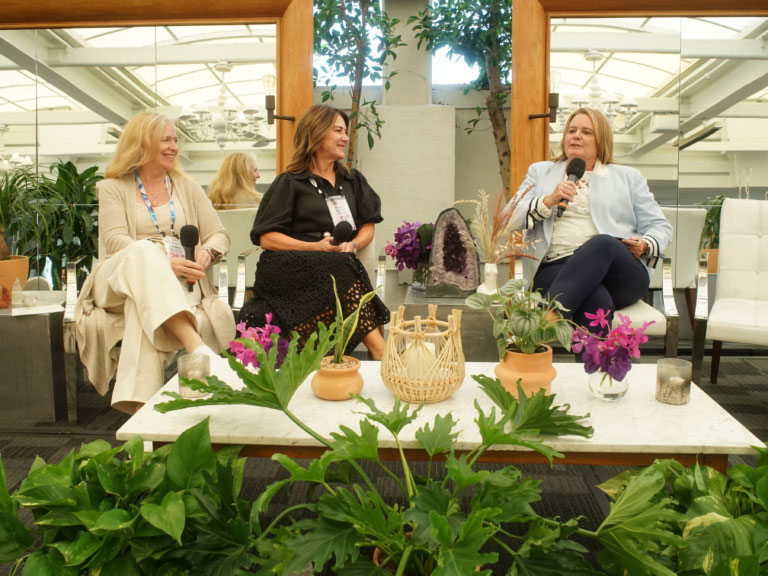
{"type": "Point", "coordinates": [139, 282]}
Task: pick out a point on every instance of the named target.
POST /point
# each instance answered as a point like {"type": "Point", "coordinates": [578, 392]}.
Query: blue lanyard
{"type": "Point", "coordinates": [148, 204]}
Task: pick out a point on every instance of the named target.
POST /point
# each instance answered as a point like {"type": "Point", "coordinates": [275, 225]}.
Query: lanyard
{"type": "Point", "coordinates": [148, 204]}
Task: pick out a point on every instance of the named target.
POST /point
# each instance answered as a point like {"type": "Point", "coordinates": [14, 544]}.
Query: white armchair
{"type": "Point", "coordinates": [236, 269]}
{"type": "Point", "coordinates": [740, 310]}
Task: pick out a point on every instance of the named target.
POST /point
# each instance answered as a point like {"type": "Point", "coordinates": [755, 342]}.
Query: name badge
{"type": "Point", "coordinates": [339, 209]}
{"type": "Point", "coordinates": [173, 247]}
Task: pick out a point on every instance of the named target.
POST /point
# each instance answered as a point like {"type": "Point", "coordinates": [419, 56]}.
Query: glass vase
{"type": "Point", "coordinates": [602, 385]}
{"type": "Point", "coordinates": [419, 283]}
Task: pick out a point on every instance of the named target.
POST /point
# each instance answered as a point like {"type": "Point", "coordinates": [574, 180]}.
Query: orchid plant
{"type": "Point", "coordinates": [262, 335]}
{"type": "Point", "coordinates": [609, 354]}
{"type": "Point", "coordinates": [413, 243]}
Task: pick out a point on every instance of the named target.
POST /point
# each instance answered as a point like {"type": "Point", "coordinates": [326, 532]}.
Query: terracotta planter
{"type": "Point", "coordinates": [16, 267]}
{"type": "Point", "coordinates": [337, 382]}
{"type": "Point", "coordinates": [536, 370]}
{"type": "Point", "coordinates": [712, 261]}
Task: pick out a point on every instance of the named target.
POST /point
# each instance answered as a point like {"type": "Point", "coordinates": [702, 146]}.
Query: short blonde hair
{"type": "Point", "coordinates": [311, 128]}
{"type": "Point", "coordinates": [603, 135]}
{"type": "Point", "coordinates": [231, 177]}
{"type": "Point", "coordinates": [138, 145]}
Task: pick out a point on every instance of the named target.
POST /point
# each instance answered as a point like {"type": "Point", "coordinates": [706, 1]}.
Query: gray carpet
{"type": "Point", "coordinates": [568, 491]}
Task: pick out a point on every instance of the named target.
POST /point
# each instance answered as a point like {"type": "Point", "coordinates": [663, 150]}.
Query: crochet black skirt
{"type": "Point", "coordinates": [296, 288]}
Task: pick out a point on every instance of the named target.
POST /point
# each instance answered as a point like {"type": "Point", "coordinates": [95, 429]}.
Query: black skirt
{"type": "Point", "coordinates": [296, 288]}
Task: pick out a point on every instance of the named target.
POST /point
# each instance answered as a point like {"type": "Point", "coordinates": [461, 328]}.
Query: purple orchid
{"type": "Point", "coordinates": [611, 353]}
{"type": "Point", "coordinates": [413, 242]}
{"type": "Point", "coordinates": [261, 335]}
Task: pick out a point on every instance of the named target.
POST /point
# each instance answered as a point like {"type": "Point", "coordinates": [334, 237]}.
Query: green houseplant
{"type": "Point", "coordinates": [24, 221]}
{"type": "Point", "coordinates": [524, 322]}
{"type": "Point", "coordinates": [710, 234]}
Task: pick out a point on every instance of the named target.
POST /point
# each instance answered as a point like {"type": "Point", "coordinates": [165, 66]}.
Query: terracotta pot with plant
{"type": "Point", "coordinates": [523, 323]}
{"type": "Point", "coordinates": [24, 214]}
{"type": "Point", "coordinates": [338, 376]}
{"type": "Point", "coordinates": [710, 234]}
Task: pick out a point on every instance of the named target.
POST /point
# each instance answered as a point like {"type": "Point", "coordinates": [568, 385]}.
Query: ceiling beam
{"type": "Point", "coordinates": [244, 53]}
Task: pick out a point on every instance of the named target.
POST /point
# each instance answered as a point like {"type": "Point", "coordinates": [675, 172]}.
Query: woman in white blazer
{"type": "Point", "coordinates": [597, 252]}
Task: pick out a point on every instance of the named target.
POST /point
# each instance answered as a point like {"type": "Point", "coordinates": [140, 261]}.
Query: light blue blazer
{"type": "Point", "coordinates": [620, 203]}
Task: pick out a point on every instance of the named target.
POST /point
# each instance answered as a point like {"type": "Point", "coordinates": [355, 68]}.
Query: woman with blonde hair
{"type": "Point", "coordinates": [594, 234]}
{"type": "Point", "coordinates": [294, 226]}
{"type": "Point", "coordinates": [144, 292]}
{"type": "Point", "coordinates": [234, 185]}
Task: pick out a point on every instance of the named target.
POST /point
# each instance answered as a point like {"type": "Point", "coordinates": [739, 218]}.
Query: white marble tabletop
{"type": "Point", "coordinates": [636, 424]}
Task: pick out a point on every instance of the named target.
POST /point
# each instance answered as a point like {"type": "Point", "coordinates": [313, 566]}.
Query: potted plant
{"type": "Point", "coordinates": [524, 322]}
{"type": "Point", "coordinates": [24, 221]}
{"type": "Point", "coordinates": [338, 375]}
{"type": "Point", "coordinates": [710, 234]}
{"type": "Point", "coordinates": [441, 524]}
{"type": "Point", "coordinates": [73, 229]}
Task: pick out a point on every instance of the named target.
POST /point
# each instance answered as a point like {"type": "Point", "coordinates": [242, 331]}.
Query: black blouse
{"type": "Point", "coordinates": [294, 206]}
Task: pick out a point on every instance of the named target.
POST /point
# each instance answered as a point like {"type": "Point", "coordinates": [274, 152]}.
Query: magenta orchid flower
{"type": "Point", "coordinates": [261, 335]}
{"type": "Point", "coordinates": [611, 353]}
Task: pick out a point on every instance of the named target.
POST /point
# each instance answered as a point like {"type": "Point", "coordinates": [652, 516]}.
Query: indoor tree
{"type": "Point", "coordinates": [480, 32]}
{"type": "Point", "coordinates": [354, 39]}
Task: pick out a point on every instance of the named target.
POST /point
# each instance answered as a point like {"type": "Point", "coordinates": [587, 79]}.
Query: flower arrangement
{"type": "Point", "coordinates": [262, 335]}
{"type": "Point", "coordinates": [609, 354]}
{"type": "Point", "coordinates": [413, 243]}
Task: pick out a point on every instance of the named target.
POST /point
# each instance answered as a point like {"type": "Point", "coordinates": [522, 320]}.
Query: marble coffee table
{"type": "Point", "coordinates": [633, 431]}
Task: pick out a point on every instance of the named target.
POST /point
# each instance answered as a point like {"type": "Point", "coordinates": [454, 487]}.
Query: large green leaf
{"type": "Point", "coordinates": [459, 556]}
{"type": "Point", "coordinates": [113, 520]}
{"type": "Point", "coordinates": [324, 540]}
{"type": "Point", "coordinates": [189, 455]}
{"type": "Point", "coordinates": [14, 538]}
{"type": "Point", "coordinates": [396, 419]}
{"type": "Point", "coordinates": [77, 551]}
{"type": "Point", "coordinates": [349, 445]}
{"type": "Point", "coordinates": [438, 438]}
{"type": "Point", "coordinates": [169, 516]}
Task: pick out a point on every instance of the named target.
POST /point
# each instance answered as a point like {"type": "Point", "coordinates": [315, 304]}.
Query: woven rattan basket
{"type": "Point", "coordinates": [423, 360]}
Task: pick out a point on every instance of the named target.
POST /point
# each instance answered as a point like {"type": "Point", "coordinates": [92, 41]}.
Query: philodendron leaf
{"type": "Point", "coordinates": [6, 503]}
{"type": "Point", "coordinates": [394, 420]}
{"type": "Point", "coordinates": [169, 517]}
{"type": "Point", "coordinates": [77, 551]}
{"type": "Point", "coordinates": [190, 454]}
{"type": "Point", "coordinates": [439, 438]}
{"type": "Point", "coordinates": [51, 563]}
{"type": "Point", "coordinates": [324, 540]}
{"type": "Point", "coordinates": [353, 446]}
{"type": "Point", "coordinates": [461, 555]}
{"type": "Point", "coordinates": [122, 566]}
{"type": "Point", "coordinates": [713, 539]}
{"type": "Point", "coordinates": [314, 473]}
{"type": "Point", "coordinates": [112, 520]}
{"type": "Point", "coordinates": [462, 473]}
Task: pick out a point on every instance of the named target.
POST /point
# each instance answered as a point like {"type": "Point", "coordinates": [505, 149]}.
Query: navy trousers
{"type": "Point", "coordinates": [602, 273]}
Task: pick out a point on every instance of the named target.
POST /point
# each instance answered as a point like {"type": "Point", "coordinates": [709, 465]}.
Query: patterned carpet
{"type": "Point", "coordinates": [568, 491]}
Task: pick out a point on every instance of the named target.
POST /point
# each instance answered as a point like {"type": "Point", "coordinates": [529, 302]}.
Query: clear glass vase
{"type": "Point", "coordinates": [602, 385]}
{"type": "Point", "coordinates": [420, 278]}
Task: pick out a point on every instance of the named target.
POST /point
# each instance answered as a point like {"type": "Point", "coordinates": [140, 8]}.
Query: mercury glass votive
{"type": "Point", "coordinates": [193, 366]}
{"type": "Point", "coordinates": [673, 381]}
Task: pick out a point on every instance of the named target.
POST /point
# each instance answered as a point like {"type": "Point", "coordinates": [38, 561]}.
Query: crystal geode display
{"type": "Point", "coordinates": [453, 262]}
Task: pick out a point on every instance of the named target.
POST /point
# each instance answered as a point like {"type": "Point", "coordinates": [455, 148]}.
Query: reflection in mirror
{"type": "Point", "coordinates": [627, 68]}
{"type": "Point", "coordinates": [93, 80]}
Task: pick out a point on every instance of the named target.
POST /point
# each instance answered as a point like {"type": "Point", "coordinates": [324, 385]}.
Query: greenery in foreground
{"type": "Point", "coordinates": [105, 510]}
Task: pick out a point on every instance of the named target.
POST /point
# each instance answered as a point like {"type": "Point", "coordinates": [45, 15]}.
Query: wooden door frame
{"type": "Point", "coordinates": [293, 18]}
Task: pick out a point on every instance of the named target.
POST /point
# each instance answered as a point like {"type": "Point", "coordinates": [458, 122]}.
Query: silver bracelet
{"type": "Point", "coordinates": [355, 245]}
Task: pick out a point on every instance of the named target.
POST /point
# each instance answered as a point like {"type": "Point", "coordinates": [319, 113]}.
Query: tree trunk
{"type": "Point", "coordinates": [357, 79]}
{"type": "Point", "coordinates": [497, 117]}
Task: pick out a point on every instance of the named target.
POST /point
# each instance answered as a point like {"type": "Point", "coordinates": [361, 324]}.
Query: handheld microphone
{"type": "Point", "coordinates": [575, 170]}
{"type": "Point", "coordinates": [342, 232]}
{"type": "Point", "coordinates": [189, 237]}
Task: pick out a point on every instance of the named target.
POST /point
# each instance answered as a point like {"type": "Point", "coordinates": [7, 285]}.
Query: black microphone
{"type": "Point", "coordinates": [189, 236]}
{"type": "Point", "coordinates": [575, 170]}
{"type": "Point", "coordinates": [342, 232]}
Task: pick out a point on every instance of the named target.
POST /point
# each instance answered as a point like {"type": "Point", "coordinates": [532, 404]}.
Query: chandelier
{"type": "Point", "coordinates": [222, 122]}
{"type": "Point", "coordinates": [6, 165]}
{"type": "Point", "coordinates": [609, 103]}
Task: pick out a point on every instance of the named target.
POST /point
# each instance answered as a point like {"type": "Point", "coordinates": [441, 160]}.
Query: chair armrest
{"type": "Point", "coordinates": [670, 309]}
{"type": "Point", "coordinates": [70, 299]}
{"type": "Point", "coordinates": [239, 299]}
{"type": "Point", "coordinates": [700, 318]}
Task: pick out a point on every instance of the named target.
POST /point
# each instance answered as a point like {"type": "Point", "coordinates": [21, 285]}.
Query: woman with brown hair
{"type": "Point", "coordinates": [234, 185]}
{"type": "Point", "coordinates": [294, 226]}
{"type": "Point", "coordinates": [144, 292]}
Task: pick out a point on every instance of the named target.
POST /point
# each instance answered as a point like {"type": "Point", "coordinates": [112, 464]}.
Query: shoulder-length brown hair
{"type": "Point", "coordinates": [231, 177]}
{"type": "Point", "coordinates": [603, 135]}
{"type": "Point", "coordinates": [139, 143]}
{"type": "Point", "coordinates": [311, 128]}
